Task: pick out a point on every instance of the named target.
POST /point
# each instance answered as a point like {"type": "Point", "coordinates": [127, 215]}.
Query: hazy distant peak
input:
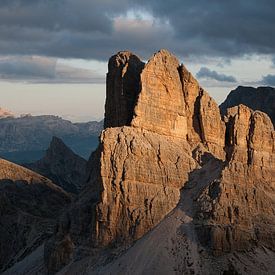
{"type": "Point", "coordinates": [5, 113]}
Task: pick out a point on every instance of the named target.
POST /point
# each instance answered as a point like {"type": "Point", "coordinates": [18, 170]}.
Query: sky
{"type": "Point", "coordinates": [54, 54]}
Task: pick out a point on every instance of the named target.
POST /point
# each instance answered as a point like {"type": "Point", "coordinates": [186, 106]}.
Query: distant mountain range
{"type": "Point", "coordinates": [25, 139]}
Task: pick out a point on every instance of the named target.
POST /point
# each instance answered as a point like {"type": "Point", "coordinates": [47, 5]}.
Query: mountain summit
{"type": "Point", "coordinates": [173, 187]}
{"type": "Point", "coordinates": [166, 148]}
{"type": "Point", "coordinates": [62, 166]}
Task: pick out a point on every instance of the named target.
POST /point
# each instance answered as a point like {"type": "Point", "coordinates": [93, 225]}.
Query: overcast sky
{"type": "Point", "coordinates": [53, 54]}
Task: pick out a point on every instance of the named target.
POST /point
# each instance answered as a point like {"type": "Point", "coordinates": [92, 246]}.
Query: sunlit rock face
{"type": "Point", "coordinates": [238, 210]}
{"type": "Point", "coordinates": [144, 166]}
{"type": "Point", "coordinates": [161, 128]}
{"type": "Point", "coordinates": [141, 176]}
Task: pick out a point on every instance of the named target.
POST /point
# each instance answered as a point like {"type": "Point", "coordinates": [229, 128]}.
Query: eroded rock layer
{"type": "Point", "coordinates": [142, 173]}
{"type": "Point", "coordinates": [122, 88]}
{"type": "Point", "coordinates": [163, 134]}
{"type": "Point", "coordinates": [238, 209]}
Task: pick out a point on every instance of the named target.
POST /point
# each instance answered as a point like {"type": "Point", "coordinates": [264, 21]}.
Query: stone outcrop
{"type": "Point", "coordinates": [165, 145]}
{"type": "Point", "coordinates": [131, 180]}
{"type": "Point", "coordinates": [29, 206]}
{"type": "Point", "coordinates": [160, 105]}
{"type": "Point", "coordinates": [122, 88]}
{"type": "Point", "coordinates": [261, 98]}
{"type": "Point", "coordinates": [141, 177]}
{"type": "Point", "coordinates": [62, 166]}
{"type": "Point", "coordinates": [237, 210]}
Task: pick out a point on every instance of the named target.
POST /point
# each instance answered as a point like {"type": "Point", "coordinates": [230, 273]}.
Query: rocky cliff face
{"type": "Point", "coordinates": [261, 98]}
{"type": "Point", "coordinates": [141, 176]}
{"type": "Point", "coordinates": [29, 205]}
{"type": "Point", "coordinates": [237, 210]}
{"type": "Point", "coordinates": [144, 166]}
{"type": "Point", "coordinates": [122, 87]}
{"type": "Point", "coordinates": [62, 166]}
{"type": "Point", "coordinates": [168, 137]}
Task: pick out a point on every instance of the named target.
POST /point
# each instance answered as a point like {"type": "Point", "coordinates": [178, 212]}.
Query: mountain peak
{"type": "Point", "coordinates": [57, 145]}
{"type": "Point", "coordinates": [167, 157]}
{"type": "Point", "coordinates": [62, 166]}
{"type": "Point", "coordinates": [5, 113]}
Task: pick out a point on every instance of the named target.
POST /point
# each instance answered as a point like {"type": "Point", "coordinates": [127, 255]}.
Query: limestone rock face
{"type": "Point", "coordinates": [239, 206]}
{"type": "Point", "coordinates": [203, 116]}
{"type": "Point", "coordinates": [165, 99]}
{"type": "Point", "coordinates": [143, 167]}
{"type": "Point", "coordinates": [160, 106]}
{"type": "Point", "coordinates": [165, 145]}
{"type": "Point", "coordinates": [212, 127]}
{"type": "Point", "coordinates": [122, 88]}
{"type": "Point", "coordinates": [29, 205]}
{"type": "Point", "coordinates": [192, 94]}
{"type": "Point", "coordinates": [142, 173]}
{"type": "Point", "coordinates": [62, 166]}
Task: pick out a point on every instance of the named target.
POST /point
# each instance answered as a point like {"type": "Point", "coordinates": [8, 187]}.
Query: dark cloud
{"type": "Point", "coordinates": [209, 74]}
{"type": "Point", "coordinates": [95, 29]}
{"type": "Point", "coordinates": [268, 80]}
{"type": "Point", "coordinates": [44, 70]}
{"type": "Point", "coordinates": [229, 28]}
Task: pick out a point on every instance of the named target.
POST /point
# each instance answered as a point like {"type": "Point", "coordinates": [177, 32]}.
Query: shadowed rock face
{"type": "Point", "coordinates": [29, 205]}
{"type": "Point", "coordinates": [62, 166]}
{"type": "Point", "coordinates": [261, 98]}
{"type": "Point", "coordinates": [152, 144]}
{"type": "Point", "coordinates": [143, 167]}
{"type": "Point", "coordinates": [122, 88]}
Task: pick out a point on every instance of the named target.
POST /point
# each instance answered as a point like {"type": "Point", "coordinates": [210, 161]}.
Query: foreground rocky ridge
{"type": "Point", "coordinates": [29, 205]}
{"type": "Point", "coordinates": [166, 149]}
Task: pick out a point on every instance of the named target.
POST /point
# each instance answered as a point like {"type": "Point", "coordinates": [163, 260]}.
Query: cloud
{"type": "Point", "coordinates": [210, 74]}
{"type": "Point", "coordinates": [268, 80]}
{"type": "Point", "coordinates": [225, 28]}
{"type": "Point", "coordinates": [37, 69]}
{"type": "Point", "coordinates": [95, 29]}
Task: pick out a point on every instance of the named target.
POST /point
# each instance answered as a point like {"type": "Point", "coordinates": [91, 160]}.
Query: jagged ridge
{"type": "Point", "coordinates": [167, 130]}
